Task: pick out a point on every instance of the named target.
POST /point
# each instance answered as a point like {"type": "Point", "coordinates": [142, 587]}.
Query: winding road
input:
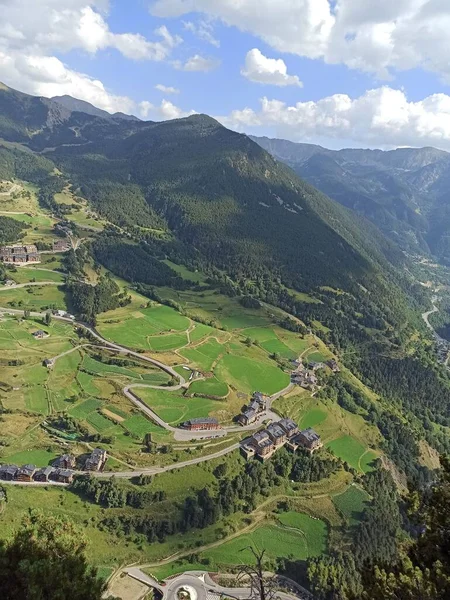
{"type": "Point", "coordinates": [180, 434]}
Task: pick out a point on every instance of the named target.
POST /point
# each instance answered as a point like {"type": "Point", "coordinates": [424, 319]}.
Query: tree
{"type": "Point", "coordinates": [148, 442]}
{"type": "Point", "coordinates": [423, 569]}
{"type": "Point", "coordinates": [26, 314]}
{"type": "Point", "coordinates": [48, 318]}
{"type": "Point", "coordinates": [261, 587]}
{"type": "Point", "coordinates": [45, 559]}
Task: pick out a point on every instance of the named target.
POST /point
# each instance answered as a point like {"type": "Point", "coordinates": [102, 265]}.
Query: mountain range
{"type": "Point", "coordinates": [208, 196]}
{"type": "Point", "coordinates": [405, 192]}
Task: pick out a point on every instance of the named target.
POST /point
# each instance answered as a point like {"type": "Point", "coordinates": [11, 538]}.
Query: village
{"type": "Point", "coordinates": [61, 471]}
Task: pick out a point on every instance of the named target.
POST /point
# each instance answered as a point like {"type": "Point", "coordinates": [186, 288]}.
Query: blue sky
{"type": "Point", "coordinates": [340, 73]}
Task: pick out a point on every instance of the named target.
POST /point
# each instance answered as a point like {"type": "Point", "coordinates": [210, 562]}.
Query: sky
{"type": "Point", "coordinates": [360, 73]}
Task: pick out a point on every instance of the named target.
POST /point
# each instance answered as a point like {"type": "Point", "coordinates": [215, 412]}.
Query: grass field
{"type": "Point", "coordinates": [278, 542]}
{"type": "Point", "coordinates": [204, 355]}
{"type": "Point", "coordinates": [81, 411]}
{"type": "Point", "coordinates": [26, 274]}
{"type": "Point", "coordinates": [39, 458]}
{"type": "Point", "coordinates": [34, 297]}
{"type": "Point", "coordinates": [174, 408]}
{"type": "Point", "coordinates": [353, 452]}
{"type": "Point", "coordinates": [351, 504]}
{"type": "Point", "coordinates": [249, 375]}
{"type": "Point", "coordinates": [133, 328]}
{"type": "Point", "coordinates": [314, 531]}
{"type": "Point", "coordinates": [210, 387]}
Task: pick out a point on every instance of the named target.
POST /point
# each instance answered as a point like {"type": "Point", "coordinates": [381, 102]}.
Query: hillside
{"type": "Point", "coordinates": [404, 192]}
{"type": "Point", "coordinates": [199, 269]}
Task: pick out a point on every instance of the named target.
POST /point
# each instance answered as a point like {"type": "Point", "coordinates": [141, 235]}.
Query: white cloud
{"type": "Point", "coordinates": [48, 76]}
{"type": "Point", "coordinates": [166, 89]}
{"type": "Point", "coordinates": [197, 63]}
{"type": "Point", "coordinates": [381, 117]}
{"type": "Point", "coordinates": [373, 36]}
{"type": "Point", "coordinates": [164, 112]}
{"type": "Point", "coordinates": [260, 69]}
{"type": "Point", "coordinates": [204, 30]}
{"type": "Point", "coordinates": [31, 33]}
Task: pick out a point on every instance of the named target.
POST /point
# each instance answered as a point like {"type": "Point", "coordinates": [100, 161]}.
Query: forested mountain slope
{"type": "Point", "coordinates": [405, 192]}
{"type": "Point", "coordinates": [194, 192]}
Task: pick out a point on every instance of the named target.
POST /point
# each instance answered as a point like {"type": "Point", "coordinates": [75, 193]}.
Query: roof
{"type": "Point", "coordinates": [64, 473]}
{"type": "Point", "coordinates": [254, 405]}
{"type": "Point", "coordinates": [265, 444]}
{"type": "Point", "coordinates": [275, 430]}
{"type": "Point", "coordinates": [288, 424]}
{"type": "Point", "coordinates": [203, 421]}
{"type": "Point", "coordinates": [27, 469]}
{"type": "Point", "coordinates": [9, 469]}
{"type": "Point", "coordinates": [258, 396]}
{"type": "Point", "coordinates": [249, 413]}
{"type": "Point", "coordinates": [45, 471]}
{"type": "Point", "coordinates": [40, 332]}
{"type": "Point", "coordinates": [310, 435]}
{"type": "Point", "coordinates": [260, 436]}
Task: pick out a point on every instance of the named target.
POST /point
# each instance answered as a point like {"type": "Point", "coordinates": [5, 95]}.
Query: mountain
{"type": "Point", "coordinates": [212, 197]}
{"type": "Point", "coordinates": [405, 192]}
{"type": "Point", "coordinates": [76, 105]}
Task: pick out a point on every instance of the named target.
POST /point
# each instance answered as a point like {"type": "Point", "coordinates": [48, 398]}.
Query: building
{"type": "Point", "coordinates": [201, 424]}
{"type": "Point", "coordinates": [66, 461]}
{"type": "Point", "coordinates": [20, 255]}
{"type": "Point", "coordinates": [64, 475]}
{"type": "Point", "coordinates": [8, 472]}
{"type": "Point", "coordinates": [40, 334]}
{"type": "Point", "coordinates": [263, 445]}
{"type": "Point", "coordinates": [96, 460]}
{"type": "Point", "coordinates": [309, 439]}
{"type": "Point", "coordinates": [316, 366]}
{"type": "Point", "coordinates": [250, 413]}
{"type": "Point", "coordinates": [332, 364]}
{"type": "Point", "coordinates": [43, 474]}
{"type": "Point", "coordinates": [276, 434]}
{"type": "Point", "coordinates": [48, 362]}
{"type": "Point", "coordinates": [247, 417]}
{"type": "Point", "coordinates": [61, 246]}
{"type": "Point", "coordinates": [26, 473]}
{"type": "Point", "coordinates": [289, 427]}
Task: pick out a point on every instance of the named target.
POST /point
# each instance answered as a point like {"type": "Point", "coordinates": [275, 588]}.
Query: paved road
{"type": "Point", "coordinates": [204, 588]}
{"type": "Point", "coordinates": [22, 285]}
{"type": "Point", "coordinates": [173, 467]}
{"type": "Point", "coordinates": [181, 435]}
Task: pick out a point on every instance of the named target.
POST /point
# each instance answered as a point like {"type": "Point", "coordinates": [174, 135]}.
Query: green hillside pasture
{"type": "Point", "coordinates": [62, 379]}
{"type": "Point", "coordinates": [26, 274]}
{"type": "Point", "coordinates": [163, 343]}
{"type": "Point", "coordinates": [278, 542]}
{"type": "Point", "coordinates": [87, 384]}
{"type": "Point", "coordinates": [351, 504]}
{"type": "Point", "coordinates": [81, 411]}
{"type": "Point", "coordinates": [278, 347]}
{"type": "Point", "coordinates": [205, 355]}
{"type": "Point", "coordinates": [139, 425]}
{"type": "Point", "coordinates": [209, 387]}
{"type": "Point", "coordinates": [314, 530]}
{"type": "Point", "coordinates": [39, 458]}
{"type": "Point", "coordinates": [317, 357]}
{"type": "Point", "coordinates": [136, 327]}
{"type": "Point", "coordinates": [201, 331]}
{"type": "Point", "coordinates": [99, 422]}
{"type": "Point", "coordinates": [351, 451]}
{"type": "Point", "coordinates": [312, 418]}
{"type": "Point", "coordinates": [156, 376]}
{"type": "Point", "coordinates": [33, 297]}
{"type": "Point", "coordinates": [164, 318]}
{"type": "Point", "coordinates": [268, 340]}
{"type": "Point", "coordinates": [36, 400]}
{"type": "Point", "coordinates": [174, 408]}
{"type": "Point", "coordinates": [248, 375]}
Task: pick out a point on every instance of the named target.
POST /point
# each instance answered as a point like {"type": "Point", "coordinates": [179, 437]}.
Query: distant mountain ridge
{"type": "Point", "coordinates": [405, 192]}
{"type": "Point", "coordinates": [76, 105]}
